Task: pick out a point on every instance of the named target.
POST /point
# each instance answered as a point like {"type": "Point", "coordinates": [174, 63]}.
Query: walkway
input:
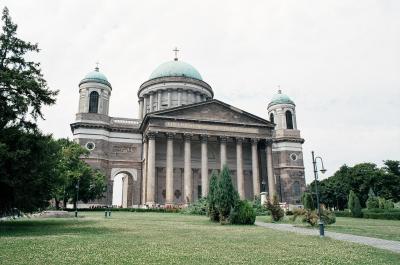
{"type": "Point", "coordinates": [370, 241]}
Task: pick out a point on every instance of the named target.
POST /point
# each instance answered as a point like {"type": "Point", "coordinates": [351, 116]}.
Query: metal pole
{"type": "Point", "coordinates": [76, 203]}
{"type": "Point", "coordinates": [320, 223]}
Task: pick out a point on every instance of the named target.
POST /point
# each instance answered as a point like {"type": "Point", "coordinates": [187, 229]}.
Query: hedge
{"type": "Point", "coordinates": [392, 214]}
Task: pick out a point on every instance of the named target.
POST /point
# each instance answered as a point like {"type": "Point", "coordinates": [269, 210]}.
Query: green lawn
{"type": "Point", "coordinates": [157, 238]}
{"type": "Point", "coordinates": [385, 229]}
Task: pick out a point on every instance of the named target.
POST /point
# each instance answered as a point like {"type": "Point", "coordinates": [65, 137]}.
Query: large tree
{"type": "Point", "coordinates": [23, 90]}
{"type": "Point", "coordinates": [72, 170]}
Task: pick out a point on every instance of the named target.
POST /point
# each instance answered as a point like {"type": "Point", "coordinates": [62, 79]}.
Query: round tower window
{"type": "Point", "coordinates": [90, 146]}
{"type": "Point", "coordinates": [293, 157]}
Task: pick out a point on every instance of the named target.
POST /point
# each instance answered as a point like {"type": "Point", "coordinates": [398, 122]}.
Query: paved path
{"type": "Point", "coordinates": [370, 241]}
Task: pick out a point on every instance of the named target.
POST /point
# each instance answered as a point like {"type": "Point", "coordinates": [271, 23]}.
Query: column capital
{"type": "Point", "coordinates": [254, 140]}
{"type": "Point", "coordinates": [187, 136]}
{"type": "Point", "coordinates": [269, 141]}
{"type": "Point", "coordinates": [204, 138]}
{"type": "Point", "coordinates": [151, 135]}
{"type": "Point", "coordinates": [223, 139]}
{"type": "Point", "coordinates": [239, 140]}
{"type": "Point", "coordinates": [170, 136]}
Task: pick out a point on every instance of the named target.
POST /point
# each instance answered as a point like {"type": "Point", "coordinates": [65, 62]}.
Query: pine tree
{"type": "Point", "coordinates": [227, 196]}
{"type": "Point", "coordinates": [22, 86]}
{"type": "Point", "coordinates": [354, 205]}
{"type": "Point", "coordinates": [307, 201]}
{"type": "Point", "coordinates": [211, 198]}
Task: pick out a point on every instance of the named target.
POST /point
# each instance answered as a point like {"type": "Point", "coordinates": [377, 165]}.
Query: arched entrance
{"type": "Point", "coordinates": [123, 187]}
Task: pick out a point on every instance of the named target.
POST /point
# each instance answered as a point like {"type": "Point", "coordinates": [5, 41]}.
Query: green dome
{"type": "Point", "coordinates": [96, 76]}
{"type": "Point", "coordinates": [280, 99]}
{"type": "Point", "coordinates": [175, 68]}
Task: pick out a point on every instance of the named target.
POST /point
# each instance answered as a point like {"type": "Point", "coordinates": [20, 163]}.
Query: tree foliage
{"type": "Point", "coordinates": [354, 205]}
{"type": "Point", "coordinates": [226, 196]}
{"type": "Point", "coordinates": [307, 201]}
{"type": "Point", "coordinates": [361, 178]}
{"type": "Point", "coordinates": [212, 197]}
{"type": "Point", "coordinates": [22, 86]}
{"type": "Point", "coordinates": [276, 211]}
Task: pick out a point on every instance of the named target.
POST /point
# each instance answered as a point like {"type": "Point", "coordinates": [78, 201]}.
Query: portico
{"type": "Point", "coordinates": [182, 151]}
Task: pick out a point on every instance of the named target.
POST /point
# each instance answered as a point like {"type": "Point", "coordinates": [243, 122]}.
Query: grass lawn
{"type": "Point", "coordinates": [384, 229]}
{"type": "Point", "coordinates": [158, 238]}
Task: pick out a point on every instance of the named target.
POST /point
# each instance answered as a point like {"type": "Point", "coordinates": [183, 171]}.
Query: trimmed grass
{"type": "Point", "coordinates": [159, 238]}
{"type": "Point", "coordinates": [384, 229]}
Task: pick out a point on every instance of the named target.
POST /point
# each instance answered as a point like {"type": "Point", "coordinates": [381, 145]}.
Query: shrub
{"type": "Point", "coordinates": [242, 214]}
{"type": "Point", "coordinates": [372, 203]}
{"type": "Point", "coordinates": [386, 215]}
{"type": "Point", "coordinates": [258, 207]}
{"type": "Point", "coordinates": [288, 212]}
{"type": "Point", "coordinates": [345, 213]}
{"type": "Point", "coordinates": [276, 211]}
{"type": "Point", "coordinates": [307, 201]}
{"type": "Point", "coordinates": [328, 217]}
{"type": "Point", "coordinates": [212, 210]}
{"type": "Point", "coordinates": [199, 207]}
{"type": "Point", "coordinates": [354, 205]}
{"type": "Point", "coordinates": [227, 196]}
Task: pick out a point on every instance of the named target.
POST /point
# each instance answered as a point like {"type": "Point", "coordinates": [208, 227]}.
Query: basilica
{"type": "Point", "coordinates": [182, 134]}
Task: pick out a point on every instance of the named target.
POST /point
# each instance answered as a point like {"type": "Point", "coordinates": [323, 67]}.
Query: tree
{"type": "Point", "coordinates": [71, 169]}
{"type": "Point", "coordinates": [22, 86]}
{"type": "Point", "coordinates": [227, 196]}
{"type": "Point", "coordinates": [212, 198]}
{"type": "Point", "coordinates": [307, 201]}
{"type": "Point", "coordinates": [354, 205]}
{"type": "Point", "coordinates": [27, 170]}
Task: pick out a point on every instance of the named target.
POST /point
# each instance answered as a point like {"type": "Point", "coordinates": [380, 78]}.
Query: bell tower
{"type": "Point", "coordinates": [94, 93]}
{"type": "Point", "coordinates": [287, 149]}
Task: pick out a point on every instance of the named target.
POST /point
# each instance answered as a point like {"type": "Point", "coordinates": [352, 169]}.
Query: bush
{"type": "Point", "coordinates": [258, 207]}
{"type": "Point", "coordinates": [307, 201]}
{"type": "Point", "coordinates": [199, 207]}
{"type": "Point", "coordinates": [276, 211]}
{"type": "Point", "coordinates": [226, 196]}
{"type": "Point", "coordinates": [243, 214]}
{"type": "Point", "coordinates": [354, 205]}
{"type": "Point", "coordinates": [345, 213]}
{"type": "Point", "coordinates": [328, 217]}
{"type": "Point", "coordinates": [288, 213]}
{"type": "Point", "coordinates": [307, 216]}
{"type": "Point", "coordinates": [372, 203]}
{"type": "Point", "coordinates": [212, 210]}
{"type": "Point", "coordinates": [386, 215]}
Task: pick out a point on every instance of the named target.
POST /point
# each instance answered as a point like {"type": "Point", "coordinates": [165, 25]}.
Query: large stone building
{"type": "Point", "coordinates": [182, 134]}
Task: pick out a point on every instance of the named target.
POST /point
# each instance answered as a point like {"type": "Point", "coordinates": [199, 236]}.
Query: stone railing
{"type": "Point", "coordinates": [125, 122]}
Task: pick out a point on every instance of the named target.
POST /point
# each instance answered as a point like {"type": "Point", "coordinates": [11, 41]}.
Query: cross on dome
{"type": "Point", "coordinates": [176, 53]}
{"type": "Point", "coordinates": [97, 67]}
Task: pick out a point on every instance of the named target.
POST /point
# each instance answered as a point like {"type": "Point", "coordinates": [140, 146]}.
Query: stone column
{"type": "Point", "coordinates": [140, 108]}
{"type": "Point", "coordinates": [254, 159]}
{"type": "Point", "coordinates": [145, 101]}
{"type": "Point", "coordinates": [270, 171]}
{"type": "Point", "coordinates": [151, 101]}
{"type": "Point", "coordinates": [222, 141]}
{"type": "Point", "coordinates": [151, 170]}
{"type": "Point", "coordinates": [144, 172]}
{"type": "Point", "coordinates": [189, 97]}
{"type": "Point", "coordinates": [179, 96]}
{"type": "Point", "coordinates": [169, 98]}
{"type": "Point", "coordinates": [187, 174]}
{"type": "Point", "coordinates": [204, 166]}
{"type": "Point", "coordinates": [169, 183]}
{"type": "Point", "coordinates": [159, 95]}
{"type": "Point", "coordinates": [239, 168]}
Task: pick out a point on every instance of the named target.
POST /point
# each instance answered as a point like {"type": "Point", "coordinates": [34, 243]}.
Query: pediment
{"type": "Point", "coordinates": [213, 111]}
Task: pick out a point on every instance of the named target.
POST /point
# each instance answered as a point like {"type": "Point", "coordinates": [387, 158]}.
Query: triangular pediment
{"type": "Point", "coordinates": [213, 111]}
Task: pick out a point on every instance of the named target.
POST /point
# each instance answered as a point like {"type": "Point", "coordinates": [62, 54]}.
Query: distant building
{"type": "Point", "coordinates": [182, 134]}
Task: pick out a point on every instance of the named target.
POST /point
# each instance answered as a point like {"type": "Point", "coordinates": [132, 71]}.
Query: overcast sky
{"type": "Point", "coordinates": [338, 60]}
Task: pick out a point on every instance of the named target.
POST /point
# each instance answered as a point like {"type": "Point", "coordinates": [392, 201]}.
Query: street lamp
{"type": "Point", "coordinates": [323, 170]}
{"type": "Point", "coordinates": [76, 202]}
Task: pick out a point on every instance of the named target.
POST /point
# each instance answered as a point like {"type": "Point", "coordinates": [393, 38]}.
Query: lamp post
{"type": "Point", "coordinates": [76, 202]}
{"type": "Point", "coordinates": [323, 170]}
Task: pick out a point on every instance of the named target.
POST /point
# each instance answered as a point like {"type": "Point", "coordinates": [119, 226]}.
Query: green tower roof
{"type": "Point", "coordinates": [280, 99]}
{"type": "Point", "coordinates": [95, 76]}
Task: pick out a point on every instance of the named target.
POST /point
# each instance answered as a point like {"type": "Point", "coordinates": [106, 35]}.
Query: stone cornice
{"type": "Point", "coordinates": [288, 139]}
{"type": "Point", "coordinates": [107, 127]}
